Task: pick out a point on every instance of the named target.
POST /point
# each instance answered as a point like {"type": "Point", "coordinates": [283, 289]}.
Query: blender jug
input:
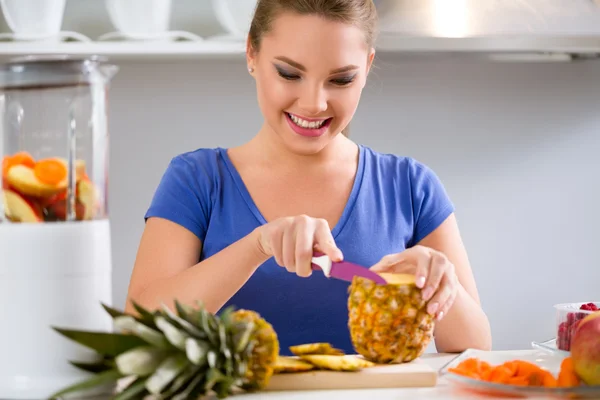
{"type": "Point", "coordinates": [55, 249]}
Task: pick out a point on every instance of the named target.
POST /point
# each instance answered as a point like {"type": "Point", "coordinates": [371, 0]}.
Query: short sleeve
{"type": "Point", "coordinates": [431, 203]}
{"type": "Point", "coordinates": [183, 196]}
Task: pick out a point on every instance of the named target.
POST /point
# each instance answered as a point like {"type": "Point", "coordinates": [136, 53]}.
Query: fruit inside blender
{"type": "Point", "coordinates": [35, 191]}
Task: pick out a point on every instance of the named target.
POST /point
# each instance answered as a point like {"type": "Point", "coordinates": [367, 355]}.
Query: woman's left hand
{"type": "Point", "coordinates": [434, 275]}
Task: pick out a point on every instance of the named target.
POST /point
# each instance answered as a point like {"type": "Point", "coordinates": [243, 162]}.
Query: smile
{"type": "Point", "coordinates": [308, 127]}
{"type": "Point", "coordinates": [305, 123]}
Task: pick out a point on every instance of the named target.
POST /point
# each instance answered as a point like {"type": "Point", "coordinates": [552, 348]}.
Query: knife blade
{"type": "Point", "coordinates": [344, 270]}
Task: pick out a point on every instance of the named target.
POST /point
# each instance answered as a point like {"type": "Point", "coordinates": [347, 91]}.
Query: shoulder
{"type": "Point", "coordinates": [414, 186]}
{"type": "Point", "coordinates": [205, 160]}
{"type": "Point", "coordinates": [186, 191]}
{"type": "Point", "coordinates": [402, 169]}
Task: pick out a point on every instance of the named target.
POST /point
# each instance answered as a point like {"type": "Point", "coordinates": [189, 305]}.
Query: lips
{"type": "Point", "coordinates": [308, 127]}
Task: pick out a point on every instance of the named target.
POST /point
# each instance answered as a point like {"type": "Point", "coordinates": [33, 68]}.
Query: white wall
{"type": "Point", "coordinates": [516, 146]}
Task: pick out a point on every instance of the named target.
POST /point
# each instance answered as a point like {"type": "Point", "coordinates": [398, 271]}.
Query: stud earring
{"type": "Point", "coordinates": [250, 69]}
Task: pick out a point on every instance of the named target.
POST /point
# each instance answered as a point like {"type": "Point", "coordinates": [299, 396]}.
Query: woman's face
{"type": "Point", "coordinates": [309, 73]}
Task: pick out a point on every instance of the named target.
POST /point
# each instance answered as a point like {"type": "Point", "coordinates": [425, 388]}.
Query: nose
{"type": "Point", "coordinates": [313, 100]}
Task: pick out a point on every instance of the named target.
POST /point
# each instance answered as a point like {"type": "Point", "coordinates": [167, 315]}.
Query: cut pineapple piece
{"type": "Point", "coordinates": [290, 364]}
{"type": "Point", "coordinates": [316, 349]}
{"type": "Point", "coordinates": [346, 363]}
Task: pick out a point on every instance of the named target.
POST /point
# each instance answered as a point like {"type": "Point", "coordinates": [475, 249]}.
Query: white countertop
{"type": "Point", "coordinates": [443, 390]}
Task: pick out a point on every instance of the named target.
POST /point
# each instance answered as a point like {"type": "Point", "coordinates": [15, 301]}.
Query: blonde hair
{"type": "Point", "coordinates": [361, 13]}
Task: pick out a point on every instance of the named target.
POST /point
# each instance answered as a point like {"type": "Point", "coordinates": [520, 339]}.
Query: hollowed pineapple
{"type": "Point", "coordinates": [389, 323]}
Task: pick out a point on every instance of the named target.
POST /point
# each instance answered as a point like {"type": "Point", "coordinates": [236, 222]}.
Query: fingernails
{"type": "Point", "coordinates": [420, 282]}
{"type": "Point", "coordinates": [427, 292]}
{"type": "Point", "coordinates": [432, 308]}
{"type": "Point", "coordinates": [440, 315]}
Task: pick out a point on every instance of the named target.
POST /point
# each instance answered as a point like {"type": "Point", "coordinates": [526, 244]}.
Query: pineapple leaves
{"type": "Point", "coordinates": [151, 336]}
{"type": "Point", "coordinates": [176, 354]}
{"type": "Point", "coordinates": [107, 344]}
{"type": "Point", "coordinates": [93, 367]}
{"type": "Point", "coordinates": [132, 392]}
{"type": "Point", "coordinates": [145, 316]}
{"type": "Point", "coordinates": [196, 351]}
{"type": "Point", "coordinates": [113, 312]}
{"type": "Point", "coordinates": [141, 361]}
{"type": "Point", "coordinates": [184, 378]}
{"type": "Point", "coordinates": [102, 378]}
{"type": "Point", "coordinates": [166, 372]}
{"type": "Point", "coordinates": [183, 322]}
{"type": "Point", "coordinates": [175, 336]}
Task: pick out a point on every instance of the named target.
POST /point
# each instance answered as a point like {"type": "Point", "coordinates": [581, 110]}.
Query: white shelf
{"type": "Point", "coordinates": [525, 48]}
{"type": "Point", "coordinates": [571, 44]}
{"type": "Point", "coordinates": [120, 51]}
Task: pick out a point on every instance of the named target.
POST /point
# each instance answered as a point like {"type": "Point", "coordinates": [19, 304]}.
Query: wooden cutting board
{"type": "Point", "coordinates": [413, 374]}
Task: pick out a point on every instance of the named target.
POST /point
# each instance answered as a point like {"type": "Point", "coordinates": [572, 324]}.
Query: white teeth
{"type": "Point", "coordinates": [306, 124]}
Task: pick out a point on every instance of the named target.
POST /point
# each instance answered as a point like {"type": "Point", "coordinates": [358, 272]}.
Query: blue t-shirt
{"type": "Point", "coordinates": [394, 203]}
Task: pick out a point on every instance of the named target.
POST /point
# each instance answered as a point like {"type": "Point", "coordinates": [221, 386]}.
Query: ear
{"type": "Point", "coordinates": [370, 60]}
{"type": "Point", "coordinates": [250, 55]}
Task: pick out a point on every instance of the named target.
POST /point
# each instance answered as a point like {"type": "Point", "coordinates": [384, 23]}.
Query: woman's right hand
{"type": "Point", "coordinates": [292, 241]}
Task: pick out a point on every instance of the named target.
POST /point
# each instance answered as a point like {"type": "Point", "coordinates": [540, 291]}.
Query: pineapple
{"type": "Point", "coordinates": [315, 348]}
{"type": "Point", "coordinates": [344, 363]}
{"type": "Point", "coordinates": [290, 364]}
{"type": "Point", "coordinates": [389, 323]}
{"type": "Point", "coordinates": [179, 355]}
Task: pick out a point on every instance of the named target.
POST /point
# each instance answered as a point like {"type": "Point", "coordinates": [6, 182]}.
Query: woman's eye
{"type": "Point", "coordinates": [286, 75]}
{"type": "Point", "coordinates": [343, 81]}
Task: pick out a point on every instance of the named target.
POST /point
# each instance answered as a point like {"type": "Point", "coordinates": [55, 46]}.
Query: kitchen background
{"type": "Point", "coordinates": [516, 145]}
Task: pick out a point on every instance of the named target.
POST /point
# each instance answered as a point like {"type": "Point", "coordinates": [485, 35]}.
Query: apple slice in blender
{"type": "Point", "coordinates": [88, 196]}
{"type": "Point", "coordinates": [17, 208]}
{"type": "Point", "coordinates": [23, 179]}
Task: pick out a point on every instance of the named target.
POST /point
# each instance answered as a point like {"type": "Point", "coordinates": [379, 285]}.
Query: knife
{"type": "Point", "coordinates": [344, 270]}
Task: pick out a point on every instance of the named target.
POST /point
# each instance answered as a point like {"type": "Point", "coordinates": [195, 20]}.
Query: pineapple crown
{"type": "Point", "coordinates": [174, 355]}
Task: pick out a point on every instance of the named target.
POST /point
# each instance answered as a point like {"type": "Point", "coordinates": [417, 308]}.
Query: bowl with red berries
{"type": "Point", "coordinates": [568, 317]}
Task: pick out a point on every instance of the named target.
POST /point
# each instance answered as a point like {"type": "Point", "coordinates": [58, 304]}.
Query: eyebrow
{"type": "Point", "coordinates": [303, 68]}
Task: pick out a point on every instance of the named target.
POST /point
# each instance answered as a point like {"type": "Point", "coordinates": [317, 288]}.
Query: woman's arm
{"type": "Point", "coordinates": [167, 268]}
{"type": "Point", "coordinates": [465, 325]}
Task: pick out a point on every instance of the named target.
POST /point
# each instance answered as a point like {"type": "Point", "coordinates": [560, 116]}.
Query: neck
{"type": "Point", "coordinates": [273, 151]}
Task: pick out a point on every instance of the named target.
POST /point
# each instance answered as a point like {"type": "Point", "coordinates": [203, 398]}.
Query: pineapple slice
{"type": "Point", "coordinates": [285, 364]}
{"type": "Point", "coordinates": [316, 349]}
{"type": "Point", "coordinates": [345, 363]}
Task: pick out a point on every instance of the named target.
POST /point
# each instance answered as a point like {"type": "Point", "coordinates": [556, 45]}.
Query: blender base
{"type": "Point", "coordinates": [51, 274]}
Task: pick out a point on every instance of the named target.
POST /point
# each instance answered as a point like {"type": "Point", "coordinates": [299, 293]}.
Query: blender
{"type": "Point", "coordinates": [55, 246]}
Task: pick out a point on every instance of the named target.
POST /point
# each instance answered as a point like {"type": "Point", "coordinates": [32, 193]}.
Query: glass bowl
{"type": "Point", "coordinates": [546, 360]}
{"type": "Point", "coordinates": [550, 346]}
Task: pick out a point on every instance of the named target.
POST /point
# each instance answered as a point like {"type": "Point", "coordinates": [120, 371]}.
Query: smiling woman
{"type": "Point", "coordinates": [239, 226]}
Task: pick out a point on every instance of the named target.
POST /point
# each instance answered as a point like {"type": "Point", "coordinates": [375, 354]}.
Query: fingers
{"type": "Point", "coordinates": [275, 243]}
{"type": "Point", "coordinates": [442, 301]}
{"type": "Point", "coordinates": [292, 242]}
{"type": "Point", "coordinates": [303, 251]}
{"type": "Point", "coordinates": [289, 248]}
{"type": "Point", "coordinates": [423, 268]}
{"type": "Point", "coordinates": [325, 241]}
{"type": "Point", "coordinates": [413, 260]}
{"type": "Point", "coordinates": [389, 262]}
{"type": "Point", "coordinates": [432, 274]}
